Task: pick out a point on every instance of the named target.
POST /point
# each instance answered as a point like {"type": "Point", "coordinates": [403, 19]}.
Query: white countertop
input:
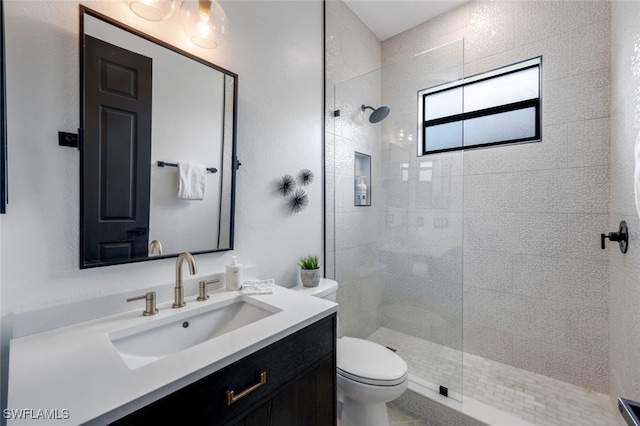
{"type": "Point", "coordinates": [76, 373]}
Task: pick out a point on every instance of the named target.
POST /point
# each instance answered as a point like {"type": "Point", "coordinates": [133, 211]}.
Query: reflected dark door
{"type": "Point", "coordinates": [117, 137]}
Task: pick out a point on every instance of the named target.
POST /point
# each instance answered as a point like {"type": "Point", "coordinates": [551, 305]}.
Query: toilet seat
{"type": "Point", "coordinates": [370, 363]}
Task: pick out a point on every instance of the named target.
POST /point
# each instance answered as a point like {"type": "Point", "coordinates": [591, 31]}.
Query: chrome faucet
{"type": "Point", "coordinates": [179, 290]}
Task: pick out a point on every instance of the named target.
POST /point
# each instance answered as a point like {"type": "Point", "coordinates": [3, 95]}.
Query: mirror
{"type": "Point", "coordinates": [3, 119]}
{"type": "Point", "coordinates": [145, 107]}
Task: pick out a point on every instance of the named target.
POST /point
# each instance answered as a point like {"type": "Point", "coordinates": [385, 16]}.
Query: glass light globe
{"type": "Point", "coordinates": [152, 10]}
{"type": "Point", "coordinates": [205, 22]}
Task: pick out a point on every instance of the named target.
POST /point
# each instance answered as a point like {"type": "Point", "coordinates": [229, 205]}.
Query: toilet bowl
{"type": "Point", "coordinates": [368, 374]}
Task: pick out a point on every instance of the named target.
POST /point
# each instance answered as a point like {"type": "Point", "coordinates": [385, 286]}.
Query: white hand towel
{"type": "Point", "coordinates": [191, 181]}
{"type": "Point", "coordinates": [258, 286]}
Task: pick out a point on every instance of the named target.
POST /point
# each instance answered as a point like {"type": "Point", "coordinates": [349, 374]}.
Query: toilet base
{"type": "Point", "coordinates": [355, 413]}
{"type": "Point", "coordinates": [364, 404]}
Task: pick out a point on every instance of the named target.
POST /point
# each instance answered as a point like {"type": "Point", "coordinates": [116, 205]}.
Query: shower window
{"type": "Point", "coordinates": [494, 108]}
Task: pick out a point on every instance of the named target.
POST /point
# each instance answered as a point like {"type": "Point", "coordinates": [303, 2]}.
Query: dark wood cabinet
{"type": "Point", "coordinates": [300, 387]}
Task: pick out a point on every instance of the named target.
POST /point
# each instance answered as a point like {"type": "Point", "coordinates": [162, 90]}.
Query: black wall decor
{"type": "Point", "coordinates": [286, 185]}
{"type": "Point", "coordinates": [306, 177]}
{"type": "Point", "coordinates": [297, 199]}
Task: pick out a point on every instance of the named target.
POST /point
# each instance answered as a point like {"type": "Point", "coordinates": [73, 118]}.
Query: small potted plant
{"type": "Point", "coordinates": [310, 270]}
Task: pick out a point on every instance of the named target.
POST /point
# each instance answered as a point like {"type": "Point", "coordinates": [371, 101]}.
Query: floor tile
{"type": "Point", "coordinates": [533, 397]}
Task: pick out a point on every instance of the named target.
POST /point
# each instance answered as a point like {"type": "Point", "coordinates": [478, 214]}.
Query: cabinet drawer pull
{"type": "Point", "coordinates": [231, 398]}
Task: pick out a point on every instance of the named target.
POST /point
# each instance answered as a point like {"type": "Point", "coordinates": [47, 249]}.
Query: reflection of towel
{"type": "Point", "coordinates": [191, 180]}
{"type": "Point", "coordinates": [258, 286]}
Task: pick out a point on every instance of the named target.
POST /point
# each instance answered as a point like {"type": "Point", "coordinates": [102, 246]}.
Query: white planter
{"type": "Point", "coordinates": [310, 277]}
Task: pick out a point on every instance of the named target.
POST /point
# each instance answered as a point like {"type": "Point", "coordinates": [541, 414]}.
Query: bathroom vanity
{"type": "Point", "coordinates": [265, 359]}
{"type": "Point", "coordinates": [297, 387]}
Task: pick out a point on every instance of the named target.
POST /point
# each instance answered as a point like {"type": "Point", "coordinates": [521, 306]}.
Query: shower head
{"type": "Point", "coordinates": [378, 114]}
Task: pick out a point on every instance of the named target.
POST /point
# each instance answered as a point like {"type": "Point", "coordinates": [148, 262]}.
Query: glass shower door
{"type": "Point", "coordinates": [399, 260]}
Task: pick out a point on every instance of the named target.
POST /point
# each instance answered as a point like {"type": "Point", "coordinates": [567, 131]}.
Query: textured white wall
{"type": "Point", "coordinates": [625, 138]}
{"type": "Point", "coordinates": [535, 280]}
{"type": "Point", "coordinates": [274, 47]}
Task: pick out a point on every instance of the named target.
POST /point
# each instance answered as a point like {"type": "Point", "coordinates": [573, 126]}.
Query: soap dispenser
{"type": "Point", "coordinates": [233, 277]}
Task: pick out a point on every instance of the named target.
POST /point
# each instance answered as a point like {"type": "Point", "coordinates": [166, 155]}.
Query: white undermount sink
{"type": "Point", "coordinates": [143, 344]}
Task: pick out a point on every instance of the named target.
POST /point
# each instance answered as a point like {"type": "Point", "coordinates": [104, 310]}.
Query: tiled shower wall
{"type": "Point", "coordinates": [353, 234]}
{"type": "Point", "coordinates": [535, 280]}
{"type": "Point", "coordinates": [625, 131]}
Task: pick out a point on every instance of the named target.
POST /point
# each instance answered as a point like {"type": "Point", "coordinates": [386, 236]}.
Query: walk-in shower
{"type": "Point", "coordinates": [439, 228]}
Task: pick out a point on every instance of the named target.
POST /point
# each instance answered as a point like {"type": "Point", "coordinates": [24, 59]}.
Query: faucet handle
{"type": "Point", "coordinates": [203, 289]}
{"type": "Point", "coordinates": [150, 306]}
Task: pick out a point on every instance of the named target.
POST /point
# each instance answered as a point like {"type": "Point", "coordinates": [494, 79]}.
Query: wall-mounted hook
{"type": "Point", "coordinates": [622, 237]}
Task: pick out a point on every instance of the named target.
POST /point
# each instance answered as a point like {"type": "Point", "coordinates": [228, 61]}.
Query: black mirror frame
{"type": "Point", "coordinates": [3, 120]}
{"type": "Point", "coordinates": [235, 164]}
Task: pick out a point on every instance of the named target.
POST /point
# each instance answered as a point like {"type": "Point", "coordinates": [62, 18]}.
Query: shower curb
{"type": "Point", "coordinates": [437, 410]}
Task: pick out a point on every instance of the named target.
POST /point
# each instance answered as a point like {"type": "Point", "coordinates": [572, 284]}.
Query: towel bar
{"type": "Point", "coordinates": [165, 164]}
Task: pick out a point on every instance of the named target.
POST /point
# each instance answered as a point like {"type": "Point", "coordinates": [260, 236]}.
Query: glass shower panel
{"type": "Point", "coordinates": [358, 229]}
{"type": "Point", "coordinates": [399, 262]}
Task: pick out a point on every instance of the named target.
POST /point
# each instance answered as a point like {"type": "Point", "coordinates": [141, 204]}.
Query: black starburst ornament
{"type": "Point", "coordinates": [306, 177]}
{"type": "Point", "coordinates": [286, 185]}
{"type": "Point", "coordinates": [298, 201]}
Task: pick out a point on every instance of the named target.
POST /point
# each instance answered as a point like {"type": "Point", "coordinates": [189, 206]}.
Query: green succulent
{"type": "Point", "coordinates": [309, 262]}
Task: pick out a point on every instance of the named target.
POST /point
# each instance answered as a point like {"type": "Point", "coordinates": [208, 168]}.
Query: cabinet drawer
{"type": "Point", "coordinates": [204, 402]}
{"type": "Point", "coordinates": [309, 401]}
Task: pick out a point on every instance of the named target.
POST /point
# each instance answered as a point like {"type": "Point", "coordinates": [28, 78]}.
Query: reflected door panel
{"type": "Point", "coordinates": [118, 146]}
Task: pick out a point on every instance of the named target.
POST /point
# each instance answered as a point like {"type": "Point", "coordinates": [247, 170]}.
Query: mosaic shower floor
{"type": "Point", "coordinates": [532, 397]}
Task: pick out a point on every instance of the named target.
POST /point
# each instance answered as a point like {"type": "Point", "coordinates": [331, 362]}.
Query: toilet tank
{"type": "Point", "coordinates": [327, 289]}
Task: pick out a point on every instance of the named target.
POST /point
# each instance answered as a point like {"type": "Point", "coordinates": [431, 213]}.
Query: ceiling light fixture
{"type": "Point", "coordinates": [152, 10]}
{"type": "Point", "coordinates": [204, 22]}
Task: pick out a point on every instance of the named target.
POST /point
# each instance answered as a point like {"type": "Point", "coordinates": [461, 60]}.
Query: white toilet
{"type": "Point", "coordinates": [369, 375]}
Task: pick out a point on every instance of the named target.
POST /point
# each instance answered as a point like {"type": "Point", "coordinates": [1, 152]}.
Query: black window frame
{"type": "Point", "coordinates": [461, 117]}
